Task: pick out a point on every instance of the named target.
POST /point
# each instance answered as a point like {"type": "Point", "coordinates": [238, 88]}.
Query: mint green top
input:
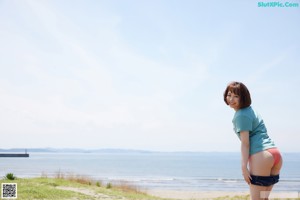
{"type": "Point", "coordinates": [246, 119]}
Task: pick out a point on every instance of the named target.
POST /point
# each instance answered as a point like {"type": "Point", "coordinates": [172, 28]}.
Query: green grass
{"type": "Point", "coordinates": [10, 176]}
{"type": "Point", "coordinates": [62, 189]}
{"type": "Point", "coordinates": [82, 188]}
{"type": "Point", "coordinates": [42, 188]}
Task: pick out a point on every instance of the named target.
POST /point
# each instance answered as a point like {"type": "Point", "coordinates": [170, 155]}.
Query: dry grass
{"type": "Point", "coordinates": [76, 178]}
{"type": "Point", "coordinates": [82, 179]}
{"type": "Point", "coordinates": [127, 187]}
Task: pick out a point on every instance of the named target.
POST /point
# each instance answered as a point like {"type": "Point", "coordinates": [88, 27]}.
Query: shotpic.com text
{"type": "Point", "coordinates": [278, 4]}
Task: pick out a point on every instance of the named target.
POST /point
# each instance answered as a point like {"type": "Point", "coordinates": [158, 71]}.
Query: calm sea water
{"type": "Point", "coordinates": [180, 171]}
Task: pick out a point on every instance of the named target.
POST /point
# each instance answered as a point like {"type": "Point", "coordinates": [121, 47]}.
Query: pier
{"type": "Point", "coordinates": [14, 155]}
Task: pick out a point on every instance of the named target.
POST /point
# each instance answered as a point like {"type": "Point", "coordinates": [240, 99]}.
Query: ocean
{"type": "Point", "coordinates": [188, 171]}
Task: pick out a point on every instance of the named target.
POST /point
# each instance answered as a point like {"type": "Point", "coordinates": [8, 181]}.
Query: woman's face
{"type": "Point", "coordinates": [233, 100]}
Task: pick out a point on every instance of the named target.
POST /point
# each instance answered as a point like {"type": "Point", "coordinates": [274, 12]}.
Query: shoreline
{"type": "Point", "coordinates": [200, 195]}
{"type": "Point", "coordinates": [80, 185]}
{"type": "Point", "coordinates": [195, 195]}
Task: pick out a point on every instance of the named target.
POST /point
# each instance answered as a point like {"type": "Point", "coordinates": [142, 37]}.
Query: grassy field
{"type": "Point", "coordinates": [77, 188]}
{"type": "Point", "coordinates": [82, 188]}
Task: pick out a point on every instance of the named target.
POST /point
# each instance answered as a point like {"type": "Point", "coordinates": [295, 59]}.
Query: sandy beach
{"type": "Point", "coordinates": [195, 195]}
{"type": "Point", "coordinates": [190, 195]}
{"type": "Point", "coordinates": [200, 195]}
{"type": "Point", "coordinates": [182, 195]}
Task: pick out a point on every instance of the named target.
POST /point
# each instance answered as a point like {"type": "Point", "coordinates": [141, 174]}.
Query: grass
{"type": "Point", "coordinates": [42, 188]}
{"type": "Point", "coordinates": [64, 187]}
{"type": "Point", "coordinates": [75, 187]}
{"type": "Point", "coordinates": [246, 197]}
{"type": "Point", "coordinates": [10, 176]}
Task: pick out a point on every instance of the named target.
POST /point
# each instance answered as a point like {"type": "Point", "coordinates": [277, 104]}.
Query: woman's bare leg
{"type": "Point", "coordinates": [258, 192]}
{"type": "Point", "coordinates": [261, 164]}
{"type": "Point", "coordinates": [274, 171]}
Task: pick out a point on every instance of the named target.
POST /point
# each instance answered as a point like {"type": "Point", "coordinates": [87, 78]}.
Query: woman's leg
{"type": "Point", "coordinates": [259, 192]}
{"type": "Point", "coordinates": [261, 164]}
{"type": "Point", "coordinates": [275, 171]}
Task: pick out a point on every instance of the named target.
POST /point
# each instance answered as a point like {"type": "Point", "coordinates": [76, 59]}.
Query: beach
{"type": "Point", "coordinates": [200, 195]}
{"type": "Point", "coordinates": [66, 188]}
{"type": "Point", "coordinates": [82, 188]}
{"type": "Point", "coordinates": [182, 175]}
{"type": "Point", "coordinates": [184, 195]}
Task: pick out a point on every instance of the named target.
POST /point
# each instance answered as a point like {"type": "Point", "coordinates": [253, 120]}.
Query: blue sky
{"type": "Point", "coordinates": [144, 74]}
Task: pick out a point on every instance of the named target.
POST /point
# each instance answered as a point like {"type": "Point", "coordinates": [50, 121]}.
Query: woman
{"type": "Point", "coordinates": [257, 149]}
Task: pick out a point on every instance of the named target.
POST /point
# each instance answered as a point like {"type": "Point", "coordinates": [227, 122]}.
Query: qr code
{"type": "Point", "coordinates": [9, 190]}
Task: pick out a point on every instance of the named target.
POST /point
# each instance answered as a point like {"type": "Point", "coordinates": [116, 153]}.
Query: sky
{"type": "Point", "coordinates": [147, 75]}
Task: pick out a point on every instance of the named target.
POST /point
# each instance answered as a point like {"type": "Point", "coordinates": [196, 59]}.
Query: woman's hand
{"type": "Point", "coordinates": [246, 175]}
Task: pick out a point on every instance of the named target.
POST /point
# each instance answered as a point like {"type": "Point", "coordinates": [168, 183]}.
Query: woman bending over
{"type": "Point", "coordinates": [258, 151]}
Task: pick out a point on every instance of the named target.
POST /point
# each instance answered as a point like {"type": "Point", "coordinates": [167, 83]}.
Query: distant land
{"type": "Point", "coordinates": [79, 150]}
{"type": "Point", "coordinates": [70, 150]}
{"type": "Point", "coordinates": [116, 151]}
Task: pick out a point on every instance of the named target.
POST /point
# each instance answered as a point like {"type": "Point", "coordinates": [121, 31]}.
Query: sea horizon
{"type": "Point", "coordinates": [107, 150]}
{"type": "Point", "coordinates": [196, 171]}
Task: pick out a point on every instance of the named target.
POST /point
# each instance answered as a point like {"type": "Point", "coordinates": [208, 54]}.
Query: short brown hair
{"type": "Point", "coordinates": [240, 89]}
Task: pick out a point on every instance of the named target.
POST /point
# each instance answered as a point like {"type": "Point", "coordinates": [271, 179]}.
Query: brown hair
{"type": "Point", "coordinates": [240, 89]}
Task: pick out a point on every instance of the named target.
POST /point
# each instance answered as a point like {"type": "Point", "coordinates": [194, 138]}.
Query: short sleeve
{"type": "Point", "coordinates": [243, 123]}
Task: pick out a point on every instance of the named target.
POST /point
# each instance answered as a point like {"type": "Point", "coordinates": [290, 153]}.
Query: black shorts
{"type": "Point", "coordinates": [264, 180]}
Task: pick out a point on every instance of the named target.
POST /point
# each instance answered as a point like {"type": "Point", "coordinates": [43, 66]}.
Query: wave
{"type": "Point", "coordinates": [181, 179]}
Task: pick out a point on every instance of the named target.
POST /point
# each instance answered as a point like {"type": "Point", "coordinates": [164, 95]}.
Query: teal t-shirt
{"type": "Point", "coordinates": [246, 119]}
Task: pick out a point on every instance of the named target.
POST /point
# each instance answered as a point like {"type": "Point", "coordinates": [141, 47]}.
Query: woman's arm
{"type": "Point", "coordinates": [244, 135]}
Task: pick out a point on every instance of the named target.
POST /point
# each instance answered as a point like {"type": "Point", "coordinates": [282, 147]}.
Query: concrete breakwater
{"type": "Point", "coordinates": [14, 155]}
